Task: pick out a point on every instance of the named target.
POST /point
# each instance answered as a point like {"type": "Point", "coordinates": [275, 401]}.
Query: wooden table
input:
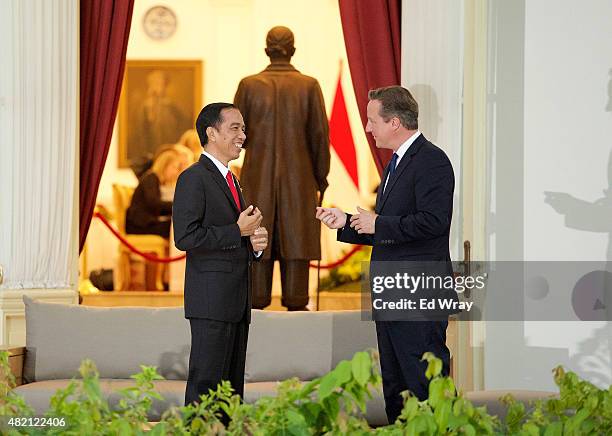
{"type": "Point", "coordinates": [133, 298]}
{"type": "Point", "coordinates": [16, 357]}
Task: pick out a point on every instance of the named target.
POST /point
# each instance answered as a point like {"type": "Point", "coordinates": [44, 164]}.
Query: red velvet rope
{"type": "Point", "coordinates": [154, 258]}
{"type": "Point", "coordinates": [339, 261]}
{"type": "Point", "coordinates": [147, 256]}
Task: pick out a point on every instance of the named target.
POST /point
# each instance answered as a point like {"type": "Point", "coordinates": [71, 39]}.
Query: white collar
{"type": "Point", "coordinates": [222, 168]}
{"type": "Point", "coordinates": [401, 151]}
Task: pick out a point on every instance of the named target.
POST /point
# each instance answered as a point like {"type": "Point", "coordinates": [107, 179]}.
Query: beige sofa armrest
{"type": "Point", "coordinates": [16, 361]}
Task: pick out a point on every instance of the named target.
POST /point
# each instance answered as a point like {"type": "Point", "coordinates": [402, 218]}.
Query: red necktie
{"type": "Point", "coordinates": [230, 182]}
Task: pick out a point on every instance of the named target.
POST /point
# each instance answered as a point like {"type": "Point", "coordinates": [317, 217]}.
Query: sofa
{"type": "Point", "coordinates": [281, 345]}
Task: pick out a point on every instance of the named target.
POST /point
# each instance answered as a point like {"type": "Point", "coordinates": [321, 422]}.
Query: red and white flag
{"type": "Point", "coordinates": [340, 134]}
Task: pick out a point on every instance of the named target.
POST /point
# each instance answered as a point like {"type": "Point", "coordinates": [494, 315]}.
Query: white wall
{"type": "Point", "coordinates": [568, 131]}
{"type": "Point", "coordinates": [432, 69]}
{"type": "Point", "coordinates": [565, 145]}
{"type": "Point", "coordinates": [568, 148]}
{"type": "Point", "coordinates": [229, 37]}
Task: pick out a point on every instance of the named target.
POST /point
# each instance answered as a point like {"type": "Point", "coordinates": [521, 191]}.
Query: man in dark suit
{"type": "Point", "coordinates": [411, 222]}
{"type": "Point", "coordinates": [221, 236]}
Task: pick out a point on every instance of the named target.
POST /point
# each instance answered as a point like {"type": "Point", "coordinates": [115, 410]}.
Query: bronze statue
{"type": "Point", "coordinates": [285, 167]}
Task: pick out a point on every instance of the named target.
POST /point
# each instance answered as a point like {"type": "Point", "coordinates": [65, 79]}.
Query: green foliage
{"type": "Point", "coordinates": [347, 272]}
{"type": "Point", "coordinates": [444, 412]}
{"type": "Point", "coordinates": [11, 404]}
{"type": "Point", "coordinates": [334, 404]}
{"type": "Point", "coordinates": [580, 409]}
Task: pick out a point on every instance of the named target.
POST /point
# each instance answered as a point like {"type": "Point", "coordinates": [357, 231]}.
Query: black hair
{"type": "Point", "coordinates": [210, 116]}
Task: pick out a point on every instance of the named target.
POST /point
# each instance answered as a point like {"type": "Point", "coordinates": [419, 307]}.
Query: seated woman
{"type": "Point", "coordinates": [185, 158]}
{"type": "Point", "coordinates": [191, 140]}
{"type": "Point", "coordinates": [148, 213]}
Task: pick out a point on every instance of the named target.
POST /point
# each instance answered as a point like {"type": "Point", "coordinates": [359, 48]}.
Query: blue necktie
{"type": "Point", "coordinates": [392, 165]}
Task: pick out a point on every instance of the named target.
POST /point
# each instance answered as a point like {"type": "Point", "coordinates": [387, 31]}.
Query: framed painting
{"type": "Point", "coordinates": [159, 101]}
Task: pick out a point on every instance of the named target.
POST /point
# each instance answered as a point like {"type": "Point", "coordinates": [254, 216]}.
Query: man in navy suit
{"type": "Point", "coordinates": [222, 237]}
{"type": "Point", "coordinates": [411, 223]}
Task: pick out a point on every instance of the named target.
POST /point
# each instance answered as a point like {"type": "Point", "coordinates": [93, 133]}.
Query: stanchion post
{"type": "Point", "coordinates": [318, 281]}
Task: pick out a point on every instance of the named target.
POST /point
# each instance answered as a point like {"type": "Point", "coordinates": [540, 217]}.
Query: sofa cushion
{"type": "Point", "coordinates": [118, 340]}
{"type": "Point", "coordinates": [350, 334]}
{"type": "Point", "coordinates": [288, 344]}
{"type": "Point", "coordinates": [254, 391]}
{"type": "Point", "coordinates": [375, 410]}
{"type": "Point", "coordinates": [375, 407]}
{"type": "Point", "coordinates": [490, 399]}
{"type": "Point", "coordinates": [38, 394]}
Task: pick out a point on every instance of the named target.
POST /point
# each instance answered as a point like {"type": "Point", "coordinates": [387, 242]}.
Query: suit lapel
{"type": "Point", "coordinates": [218, 178]}
{"type": "Point", "coordinates": [404, 162]}
{"type": "Point", "coordinates": [381, 188]}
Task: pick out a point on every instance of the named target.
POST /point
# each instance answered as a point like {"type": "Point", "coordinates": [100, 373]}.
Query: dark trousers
{"type": "Point", "coordinates": [218, 352]}
{"type": "Point", "coordinates": [294, 281]}
{"type": "Point", "coordinates": [401, 345]}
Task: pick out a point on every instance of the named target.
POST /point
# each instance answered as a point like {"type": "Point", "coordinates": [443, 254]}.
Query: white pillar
{"type": "Point", "coordinates": [39, 157]}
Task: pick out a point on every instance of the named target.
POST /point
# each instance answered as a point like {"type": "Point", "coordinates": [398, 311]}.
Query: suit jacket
{"type": "Point", "coordinates": [217, 273]}
{"type": "Point", "coordinates": [414, 211]}
{"type": "Point", "coordinates": [287, 155]}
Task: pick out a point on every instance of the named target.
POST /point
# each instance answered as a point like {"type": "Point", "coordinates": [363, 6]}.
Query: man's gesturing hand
{"type": "Point", "coordinates": [364, 221]}
{"type": "Point", "coordinates": [249, 220]}
{"type": "Point", "coordinates": [259, 240]}
{"type": "Point", "coordinates": [332, 217]}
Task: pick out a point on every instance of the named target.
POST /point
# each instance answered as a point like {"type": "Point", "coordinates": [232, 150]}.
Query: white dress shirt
{"type": "Point", "coordinates": [222, 168]}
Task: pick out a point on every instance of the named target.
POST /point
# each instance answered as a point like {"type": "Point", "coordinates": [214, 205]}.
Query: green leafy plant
{"type": "Point", "coordinates": [330, 404]}
{"type": "Point", "coordinates": [334, 404]}
{"type": "Point", "coordinates": [348, 272]}
{"type": "Point", "coordinates": [581, 409]}
{"type": "Point", "coordinates": [11, 404]}
{"type": "Point", "coordinates": [325, 405]}
{"type": "Point", "coordinates": [444, 412]}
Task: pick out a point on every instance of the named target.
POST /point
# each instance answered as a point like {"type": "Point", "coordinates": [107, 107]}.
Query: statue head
{"type": "Point", "coordinates": [279, 43]}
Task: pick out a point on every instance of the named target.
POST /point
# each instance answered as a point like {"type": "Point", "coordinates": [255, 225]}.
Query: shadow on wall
{"type": "Point", "coordinates": [429, 111]}
{"type": "Point", "coordinates": [594, 356]}
{"type": "Point", "coordinates": [585, 215]}
{"type": "Point", "coordinates": [429, 123]}
{"type": "Point", "coordinates": [590, 216]}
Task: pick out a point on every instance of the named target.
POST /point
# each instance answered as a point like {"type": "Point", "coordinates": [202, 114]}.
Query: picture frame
{"type": "Point", "coordinates": [160, 100]}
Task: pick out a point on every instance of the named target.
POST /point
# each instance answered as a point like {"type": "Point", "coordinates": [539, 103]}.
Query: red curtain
{"type": "Point", "coordinates": [105, 28]}
{"type": "Point", "coordinates": [372, 35]}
